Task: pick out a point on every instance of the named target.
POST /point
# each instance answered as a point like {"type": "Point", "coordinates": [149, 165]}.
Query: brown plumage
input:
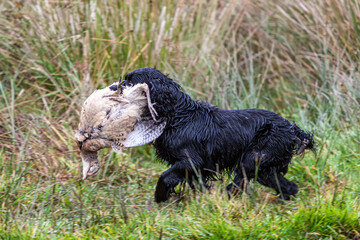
{"type": "Point", "coordinates": [110, 118]}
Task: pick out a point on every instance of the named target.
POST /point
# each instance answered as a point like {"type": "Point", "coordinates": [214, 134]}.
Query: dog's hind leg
{"type": "Point", "coordinates": [276, 180]}
{"type": "Point", "coordinates": [245, 171]}
{"type": "Point", "coordinates": [237, 186]}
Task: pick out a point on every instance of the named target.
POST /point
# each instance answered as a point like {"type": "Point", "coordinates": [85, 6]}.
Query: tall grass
{"type": "Point", "coordinates": [298, 58]}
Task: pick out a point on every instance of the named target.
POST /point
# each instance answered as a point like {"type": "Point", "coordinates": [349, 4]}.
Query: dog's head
{"type": "Point", "coordinates": [164, 92]}
{"type": "Point", "coordinates": [151, 76]}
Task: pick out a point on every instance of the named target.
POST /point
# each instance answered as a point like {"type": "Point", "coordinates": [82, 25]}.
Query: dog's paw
{"type": "Point", "coordinates": [162, 192]}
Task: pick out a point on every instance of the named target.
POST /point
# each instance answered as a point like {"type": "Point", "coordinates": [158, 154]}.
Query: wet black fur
{"type": "Point", "coordinates": [201, 137]}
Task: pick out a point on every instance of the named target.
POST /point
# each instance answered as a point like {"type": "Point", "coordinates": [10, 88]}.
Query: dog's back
{"type": "Point", "coordinates": [222, 137]}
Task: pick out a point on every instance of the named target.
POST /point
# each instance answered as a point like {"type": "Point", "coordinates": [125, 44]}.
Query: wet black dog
{"type": "Point", "coordinates": [200, 138]}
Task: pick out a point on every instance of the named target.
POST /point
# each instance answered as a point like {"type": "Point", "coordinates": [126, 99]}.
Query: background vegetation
{"type": "Point", "coordinates": [298, 58]}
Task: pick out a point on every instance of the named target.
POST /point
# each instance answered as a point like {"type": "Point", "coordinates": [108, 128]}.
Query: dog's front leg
{"type": "Point", "coordinates": [168, 181]}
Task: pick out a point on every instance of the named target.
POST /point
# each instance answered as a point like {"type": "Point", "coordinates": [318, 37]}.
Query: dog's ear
{"type": "Point", "coordinates": [166, 95]}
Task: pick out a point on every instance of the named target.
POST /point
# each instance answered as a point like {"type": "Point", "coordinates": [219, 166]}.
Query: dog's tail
{"type": "Point", "coordinates": [304, 140]}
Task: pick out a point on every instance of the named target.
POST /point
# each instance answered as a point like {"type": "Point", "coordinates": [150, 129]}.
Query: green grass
{"type": "Point", "coordinates": [300, 59]}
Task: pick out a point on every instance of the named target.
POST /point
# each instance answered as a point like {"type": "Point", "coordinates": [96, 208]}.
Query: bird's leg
{"type": "Point", "coordinates": [120, 87]}
{"type": "Point", "coordinates": [152, 110]}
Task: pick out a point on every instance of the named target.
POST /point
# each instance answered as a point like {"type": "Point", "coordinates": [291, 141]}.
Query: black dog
{"type": "Point", "coordinates": [199, 137]}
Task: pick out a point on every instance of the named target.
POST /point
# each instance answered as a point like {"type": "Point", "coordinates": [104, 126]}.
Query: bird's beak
{"type": "Point", "coordinates": [86, 168]}
{"type": "Point", "coordinates": [90, 163]}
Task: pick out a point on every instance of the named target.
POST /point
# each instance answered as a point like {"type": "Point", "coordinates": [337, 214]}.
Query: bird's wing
{"type": "Point", "coordinates": [147, 128]}
{"type": "Point", "coordinates": [145, 131]}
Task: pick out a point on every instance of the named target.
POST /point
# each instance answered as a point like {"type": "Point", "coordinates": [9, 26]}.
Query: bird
{"type": "Point", "coordinates": [200, 140]}
{"type": "Point", "coordinates": [116, 117]}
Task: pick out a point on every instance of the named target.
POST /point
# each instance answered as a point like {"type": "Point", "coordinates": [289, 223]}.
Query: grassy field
{"type": "Point", "coordinates": [298, 58]}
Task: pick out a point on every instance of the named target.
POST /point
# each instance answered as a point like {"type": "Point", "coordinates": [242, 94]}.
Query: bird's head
{"type": "Point", "coordinates": [91, 136]}
{"type": "Point", "coordinates": [90, 164]}
{"type": "Point", "coordinates": [88, 151]}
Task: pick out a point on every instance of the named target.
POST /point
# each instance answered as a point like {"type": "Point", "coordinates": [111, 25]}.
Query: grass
{"type": "Point", "coordinates": [300, 59]}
